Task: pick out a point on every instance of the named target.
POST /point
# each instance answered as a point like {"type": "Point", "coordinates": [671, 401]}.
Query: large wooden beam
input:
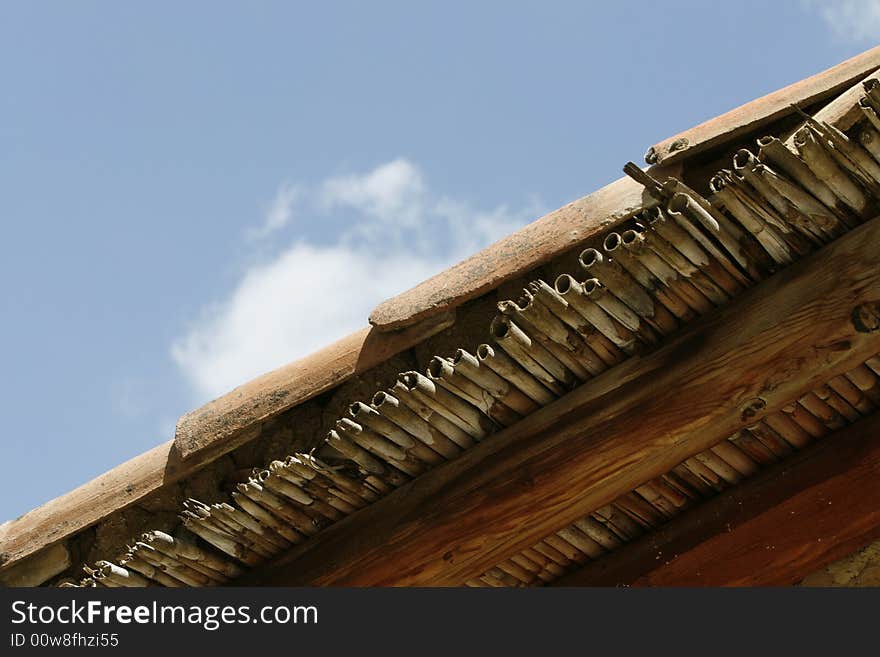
{"type": "Point", "coordinates": [203, 435]}
{"type": "Point", "coordinates": [773, 530]}
{"type": "Point", "coordinates": [629, 425]}
{"type": "Point", "coordinates": [761, 112]}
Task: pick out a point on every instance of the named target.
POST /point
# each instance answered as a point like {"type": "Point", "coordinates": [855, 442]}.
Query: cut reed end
{"type": "Point", "coordinates": [590, 257]}
{"type": "Point", "coordinates": [500, 327]}
{"type": "Point", "coordinates": [564, 283]}
{"type": "Point", "coordinates": [611, 242]}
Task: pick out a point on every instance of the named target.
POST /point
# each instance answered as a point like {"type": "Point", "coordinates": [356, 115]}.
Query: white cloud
{"type": "Point", "coordinates": [392, 192]}
{"type": "Point", "coordinates": [280, 211]}
{"type": "Point", "coordinates": [853, 20]}
{"type": "Point", "coordinates": [398, 233]}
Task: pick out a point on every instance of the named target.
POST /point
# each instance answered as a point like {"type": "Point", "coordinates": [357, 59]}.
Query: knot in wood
{"type": "Point", "coordinates": [866, 317]}
{"type": "Point", "coordinates": [752, 408]}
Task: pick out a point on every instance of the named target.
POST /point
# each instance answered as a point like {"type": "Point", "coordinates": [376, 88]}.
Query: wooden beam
{"type": "Point", "coordinates": [775, 529]}
{"type": "Point", "coordinates": [758, 113]}
{"type": "Point", "coordinates": [626, 426]}
{"type": "Point", "coordinates": [204, 435]}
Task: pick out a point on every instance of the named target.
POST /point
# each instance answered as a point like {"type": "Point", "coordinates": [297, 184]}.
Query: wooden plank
{"type": "Point", "coordinates": [538, 243]}
{"type": "Point", "coordinates": [204, 435]}
{"type": "Point", "coordinates": [773, 530]}
{"type": "Point", "coordinates": [626, 426]}
{"type": "Point", "coordinates": [765, 110]}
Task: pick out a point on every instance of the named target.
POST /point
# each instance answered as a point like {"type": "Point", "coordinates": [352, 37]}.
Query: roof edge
{"type": "Point", "coordinates": [531, 246]}
{"type": "Point", "coordinates": [205, 434]}
{"type": "Point", "coordinates": [764, 110]}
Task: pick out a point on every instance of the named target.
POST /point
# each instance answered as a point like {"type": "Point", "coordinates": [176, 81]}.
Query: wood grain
{"type": "Point", "coordinates": [775, 529]}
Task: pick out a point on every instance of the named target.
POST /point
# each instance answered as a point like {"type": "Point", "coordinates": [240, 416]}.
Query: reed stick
{"type": "Point", "coordinates": [374, 421]}
{"type": "Point", "coordinates": [508, 369]}
{"type": "Point", "coordinates": [185, 574]}
{"type": "Point", "coordinates": [806, 420]}
{"type": "Point", "coordinates": [705, 474]}
{"type": "Point", "coordinates": [549, 298]}
{"type": "Point", "coordinates": [839, 405]}
{"type": "Point", "coordinates": [598, 532]}
{"type": "Point", "coordinates": [532, 356]}
{"type": "Point", "coordinates": [363, 458]}
{"type": "Point", "coordinates": [564, 547]}
{"type": "Point", "coordinates": [869, 138]}
{"type": "Point", "coordinates": [316, 490]}
{"type": "Point", "coordinates": [627, 289]}
{"type": "Point", "coordinates": [445, 373]}
{"type": "Point", "coordinates": [756, 450]}
{"type": "Point", "coordinates": [339, 491]}
{"type": "Point", "coordinates": [866, 381]}
{"type": "Point", "coordinates": [605, 322]}
{"type": "Point", "coordinates": [635, 244]}
{"type": "Point", "coordinates": [545, 320]}
{"type": "Point", "coordinates": [531, 326]}
{"type": "Point", "coordinates": [469, 419]}
{"type": "Point", "coordinates": [639, 510]}
{"type": "Point", "coordinates": [848, 153]}
{"type": "Point", "coordinates": [303, 523]}
{"type": "Point", "coordinates": [581, 541]}
{"type": "Point", "coordinates": [505, 392]}
{"type": "Point", "coordinates": [674, 245]}
{"type": "Point", "coordinates": [772, 242]}
{"type": "Point", "coordinates": [851, 394]}
{"type": "Point", "coordinates": [552, 554]}
{"type": "Point", "coordinates": [824, 166]}
{"type": "Point", "coordinates": [698, 487]}
{"type": "Point", "coordinates": [773, 152]}
{"type": "Point", "coordinates": [618, 522]}
{"type": "Point", "coordinates": [719, 266]}
{"type": "Point", "coordinates": [151, 572]}
{"type": "Point", "coordinates": [181, 549]}
{"type": "Point", "coordinates": [735, 458]}
{"type": "Point", "coordinates": [779, 426]}
{"type": "Point", "coordinates": [121, 576]}
{"type": "Point", "coordinates": [434, 434]}
{"type": "Point", "coordinates": [666, 296]}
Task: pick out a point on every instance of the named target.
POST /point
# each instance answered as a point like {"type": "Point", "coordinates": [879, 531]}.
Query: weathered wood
{"type": "Point", "coordinates": [631, 424]}
{"type": "Point", "coordinates": [544, 239]}
{"type": "Point", "coordinates": [775, 529]}
{"type": "Point", "coordinates": [37, 568]}
{"type": "Point", "coordinates": [747, 118]}
{"type": "Point", "coordinates": [203, 435]}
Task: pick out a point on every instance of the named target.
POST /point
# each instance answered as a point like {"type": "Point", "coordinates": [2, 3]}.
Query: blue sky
{"type": "Point", "coordinates": [181, 182]}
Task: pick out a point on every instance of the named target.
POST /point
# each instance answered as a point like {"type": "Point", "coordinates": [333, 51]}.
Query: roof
{"type": "Point", "coordinates": [528, 458]}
